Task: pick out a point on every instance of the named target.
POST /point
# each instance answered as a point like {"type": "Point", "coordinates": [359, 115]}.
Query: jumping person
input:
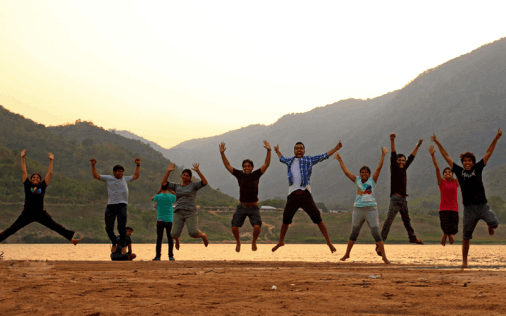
{"type": "Point", "coordinates": [186, 203]}
{"type": "Point", "coordinates": [164, 219]}
{"type": "Point", "coordinates": [299, 191]}
{"type": "Point", "coordinates": [398, 184]}
{"type": "Point", "coordinates": [123, 255]}
{"type": "Point", "coordinates": [117, 190]}
{"type": "Point", "coordinates": [248, 195]}
{"type": "Point", "coordinates": [365, 206]}
{"type": "Point", "coordinates": [33, 211]}
{"type": "Point", "coordinates": [473, 192]}
{"type": "Point", "coordinates": [448, 208]}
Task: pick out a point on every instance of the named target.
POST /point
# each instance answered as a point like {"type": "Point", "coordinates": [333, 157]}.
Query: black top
{"type": "Point", "coordinates": [471, 183]}
{"type": "Point", "coordinates": [398, 180]}
{"type": "Point", "coordinates": [248, 185]}
{"type": "Point", "coordinates": [128, 241]}
{"type": "Point", "coordinates": [34, 195]}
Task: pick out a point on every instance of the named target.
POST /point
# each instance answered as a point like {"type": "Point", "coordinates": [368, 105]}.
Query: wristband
{"type": "Point", "coordinates": [268, 149]}
{"type": "Point", "coordinates": [138, 165]}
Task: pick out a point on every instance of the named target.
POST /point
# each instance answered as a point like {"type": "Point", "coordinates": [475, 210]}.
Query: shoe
{"type": "Point", "coordinates": [172, 259]}
{"type": "Point", "coordinates": [156, 259]}
{"type": "Point", "coordinates": [417, 241]}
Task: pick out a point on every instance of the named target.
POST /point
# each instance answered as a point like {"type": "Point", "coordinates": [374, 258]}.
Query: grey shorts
{"type": "Point", "coordinates": [253, 213]}
{"type": "Point", "coordinates": [473, 213]}
{"type": "Point", "coordinates": [182, 217]}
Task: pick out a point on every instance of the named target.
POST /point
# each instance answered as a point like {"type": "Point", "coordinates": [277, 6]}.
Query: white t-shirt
{"type": "Point", "coordinates": [117, 189]}
{"type": "Point", "coordinates": [297, 178]}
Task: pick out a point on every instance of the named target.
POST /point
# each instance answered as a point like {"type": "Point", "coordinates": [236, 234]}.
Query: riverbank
{"type": "Point", "coordinates": [245, 288]}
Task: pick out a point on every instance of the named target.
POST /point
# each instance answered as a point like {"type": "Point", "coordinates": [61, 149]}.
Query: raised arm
{"type": "Point", "coordinates": [137, 169]}
{"type": "Point", "coordinates": [172, 167]}
{"type": "Point", "coordinates": [345, 170]}
{"type": "Point", "coordinates": [93, 169]}
{"type": "Point", "coordinates": [50, 168]}
{"type": "Point", "coordinates": [267, 157]}
{"type": "Point", "coordinates": [197, 170]}
{"type": "Point", "coordinates": [438, 171]}
{"type": "Point", "coordinates": [491, 148]}
{"type": "Point", "coordinates": [416, 147]}
{"type": "Point", "coordinates": [276, 149]}
{"type": "Point", "coordinates": [23, 165]}
{"type": "Point", "coordinates": [333, 150]}
{"type": "Point", "coordinates": [392, 142]}
{"type": "Point", "coordinates": [376, 174]}
{"type": "Point", "coordinates": [442, 150]}
{"type": "Point", "coordinates": [224, 158]}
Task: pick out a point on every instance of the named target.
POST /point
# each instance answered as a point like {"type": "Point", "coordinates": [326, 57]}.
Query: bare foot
{"type": "Point", "coordinates": [490, 231]}
{"type": "Point", "coordinates": [177, 243]}
{"type": "Point", "coordinates": [332, 248]}
{"type": "Point", "coordinates": [113, 248]}
{"type": "Point", "coordinates": [345, 257]}
{"type": "Point", "coordinates": [385, 260]}
{"type": "Point", "coordinates": [124, 250]}
{"type": "Point", "coordinates": [204, 238]}
{"type": "Point", "coordinates": [254, 246]}
{"type": "Point", "coordinates": [238, 247]}
{"type": "Point", "coordinates": [281, 244]}
{"type": "Point", "coordinates": [75, 241]}
{"type": "Point", "coordinates": [450, 238]}
{"type": "Point", "coordinates": [443, 240]}
{"type": "Point", "coordinates": [464, 264]}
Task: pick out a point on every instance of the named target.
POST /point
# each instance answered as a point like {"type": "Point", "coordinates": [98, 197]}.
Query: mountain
{"type": "Point", "coordinates": [130, 135]}
{"type": "Point", "coordinates": [463, 101]}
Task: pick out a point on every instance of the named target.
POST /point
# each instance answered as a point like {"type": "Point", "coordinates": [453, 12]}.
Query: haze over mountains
{"type": "Point", "coordinates": [463, 101]}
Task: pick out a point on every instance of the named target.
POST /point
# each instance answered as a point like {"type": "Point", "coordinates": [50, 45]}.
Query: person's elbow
{"type": "Point", "coordinates": [135, 177]}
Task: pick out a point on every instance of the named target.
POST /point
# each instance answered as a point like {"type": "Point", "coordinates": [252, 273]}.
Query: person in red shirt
{"type": "Point", "coordinates": [449, 208]}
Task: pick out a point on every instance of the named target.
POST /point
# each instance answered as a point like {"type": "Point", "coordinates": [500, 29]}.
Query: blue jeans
{"type": "Point", "coordinates": [398, 204]}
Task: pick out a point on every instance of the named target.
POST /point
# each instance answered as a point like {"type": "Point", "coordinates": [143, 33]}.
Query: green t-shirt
{"type": "Point", "coordinates": [165, 211]}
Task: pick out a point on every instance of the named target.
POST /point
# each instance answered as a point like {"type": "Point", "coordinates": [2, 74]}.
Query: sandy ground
{"type": "Point", "coordinates": [245, 288]}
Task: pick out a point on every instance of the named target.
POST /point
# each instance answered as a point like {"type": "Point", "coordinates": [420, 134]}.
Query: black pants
{"type": "Point", "coordinates": [449, 222]}
{"type": "Point", "coordinates": [301, 199]}
{"type": "Point", "coordinates": [160, 226]}
{"type": "Point", "coordinates": [111, 212]}
{"type": "Point", "coordinates": [42, 217]}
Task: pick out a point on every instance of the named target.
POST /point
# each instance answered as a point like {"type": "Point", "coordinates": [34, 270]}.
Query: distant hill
{"type": "Point", "coordinates": [463, 101]}
{"type": "Point", "coordinates": [130, 135]}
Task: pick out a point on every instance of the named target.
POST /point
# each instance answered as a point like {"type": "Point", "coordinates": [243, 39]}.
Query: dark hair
{"type": "Point", "coordinates": [36, 174]}
{"type": "Point", "coordinates": [299, 143]}
{"type": "Point", "coordinates": [468, 155]}
{"type": "Point", "coordinates": [365, 168]}
{"type": "Point", "coordinates": [248, 161]}
{"type": "Point", "coordinates": [166, 186]}
{"type": "Point", "coordinates": [118, 167]}
{"type": "Point", "coordinates": [189, 172]}
{"type": "Point", "coordinates": [448, 169]}
{"type": "Point", "coordinates": [129, 228]}
{"type": "Point", "coordinates": [401, 155]}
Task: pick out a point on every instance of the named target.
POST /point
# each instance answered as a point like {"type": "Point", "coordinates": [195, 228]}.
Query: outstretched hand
{"type": "Point", "coordinates": [267, 145]}
{"type": "Point", "coordinates": [499, 133]}
{"type": "Point", "coordinates": [420, 141]}
{"type": "Point", "coordinates": [384, 150]}
{"type": "Point", "coordinates": [434, 138]}
{"type": "Point", "coordinates": [50, 156]}
{"type": "Point", "coordinates": [196, 167]}
{"type": "Point", "coordinates": [222, 147]}
{"type": "Point", "coordinates": [138, 161]}
{"type": "Point", "coordinates": [93, 161]}
{"type": "Point", "coordinates": [392, 136]}
{"type": "Point", "coordinates": [276, 148]}
{"type": "Point", "coordinates": [23, 153]}
{"type": "Point", "coordinates": [339, 145]}
{"type": "Point", "coordinates": [338, 157]}
{"type": "Point", "coordinates": [172, 166]}
{"type": "Point", "coordinates": [432, 150]}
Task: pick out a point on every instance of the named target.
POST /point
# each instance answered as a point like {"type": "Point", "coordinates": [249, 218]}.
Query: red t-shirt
{"type": "Point", "coordinates": [448, 195]}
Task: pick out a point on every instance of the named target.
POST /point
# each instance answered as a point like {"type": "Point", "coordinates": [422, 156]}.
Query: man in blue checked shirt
{"type": "Point", "coordinates": [299, 191]}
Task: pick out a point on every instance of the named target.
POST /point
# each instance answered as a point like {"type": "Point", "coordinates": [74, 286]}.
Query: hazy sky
{"type": "Point", "coordinates": [175, 70]}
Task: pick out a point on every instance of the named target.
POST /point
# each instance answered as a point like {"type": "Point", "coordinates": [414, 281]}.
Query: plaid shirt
{"type": "Point", "coordinates": [306, 167]}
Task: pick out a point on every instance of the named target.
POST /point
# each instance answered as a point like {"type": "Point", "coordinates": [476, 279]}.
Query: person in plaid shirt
{"type": "Point", "coordinates": [299, 191]}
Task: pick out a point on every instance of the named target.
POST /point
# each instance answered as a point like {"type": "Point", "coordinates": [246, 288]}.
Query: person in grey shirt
{"type": "Point", "coordinates": [117, 190]}
{"type": "Point", "coordinates": [186, 203]}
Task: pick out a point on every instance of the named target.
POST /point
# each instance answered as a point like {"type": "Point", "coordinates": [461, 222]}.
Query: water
{"type": "Point", "coordinates": [480, 256]}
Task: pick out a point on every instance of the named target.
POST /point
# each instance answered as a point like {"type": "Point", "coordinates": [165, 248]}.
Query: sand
{"type": "Point", "coordinates": [245, 288]}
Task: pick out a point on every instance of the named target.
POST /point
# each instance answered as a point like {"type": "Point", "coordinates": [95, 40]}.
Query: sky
{"type": "Point", "coordinates": [171, 71]}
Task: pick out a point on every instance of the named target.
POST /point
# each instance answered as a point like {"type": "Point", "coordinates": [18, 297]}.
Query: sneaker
{"type": "Point", "coordinates": [172, 259]}
{"type": "Point", "coordinates": [156, 259]}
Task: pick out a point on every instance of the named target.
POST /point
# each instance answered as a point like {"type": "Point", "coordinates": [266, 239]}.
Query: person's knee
{"type": "Point", "coordinates": [316, 219]}
{"type": "Point", "coordinates": [257, 227]}
{"type": "Point", "coordinates": [287, 221]}
{"type": "Point", "coordinates": [194, 234]}
{"type": "Point", "coordinates": [132, 256]}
